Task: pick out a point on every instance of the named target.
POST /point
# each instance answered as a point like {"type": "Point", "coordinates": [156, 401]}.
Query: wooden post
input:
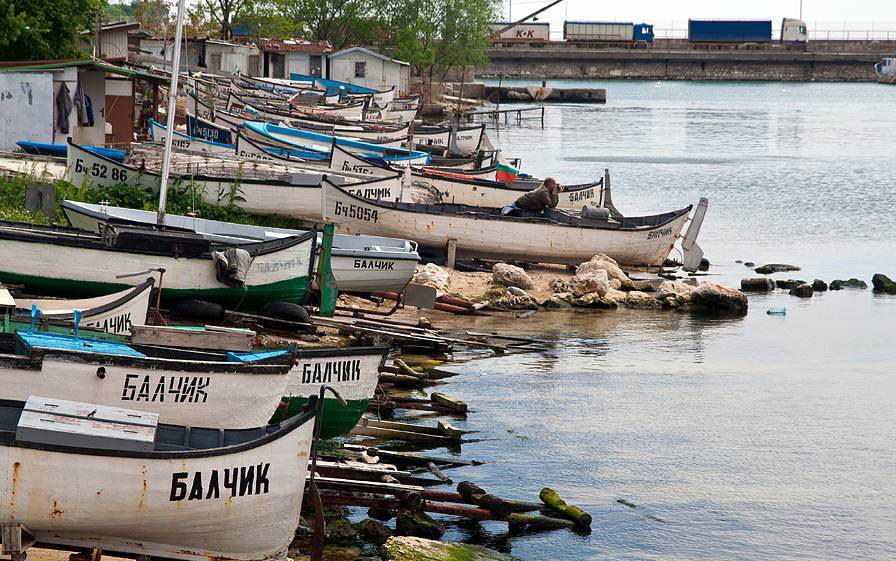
{"type": "Point", "coordinates": [452, 253]}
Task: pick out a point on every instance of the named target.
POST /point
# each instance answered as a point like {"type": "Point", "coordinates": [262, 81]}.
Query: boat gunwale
{"type": "Point", "coordinates": [285, 428]}
{"type": "Point", "coordinates": [475, 213]}
{"type": "Point", "coordinates": [72, 237]}
{"type": "Point", "coordinates": [131, 294]}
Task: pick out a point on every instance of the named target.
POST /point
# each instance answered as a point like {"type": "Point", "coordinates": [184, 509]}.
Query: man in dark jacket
{"type": "Point", "coordinates": [546, 195]}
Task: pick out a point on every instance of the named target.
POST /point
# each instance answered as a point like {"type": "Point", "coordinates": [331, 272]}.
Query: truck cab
{"type": "Point", "coordinates": [643, 32]}
{"type": "Point", "coordinates": [794, 31]}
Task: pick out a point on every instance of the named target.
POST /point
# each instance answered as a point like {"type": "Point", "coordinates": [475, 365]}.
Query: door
{"type": "Point", "coordinates": [120, 110]}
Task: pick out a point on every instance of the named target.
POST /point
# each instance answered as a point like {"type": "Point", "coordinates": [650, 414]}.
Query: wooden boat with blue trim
{"type": "Point", "coordinates": [183, 386]}
{"type": "Point", "coordinates": [77, 475]}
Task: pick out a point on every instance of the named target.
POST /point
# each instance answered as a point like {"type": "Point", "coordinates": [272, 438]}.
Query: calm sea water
{"type": "Point", "coordinates": [760, 437]}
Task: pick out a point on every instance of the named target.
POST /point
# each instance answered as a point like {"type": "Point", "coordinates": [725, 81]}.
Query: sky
{"type": "Point", "coordinates": [818, 14]}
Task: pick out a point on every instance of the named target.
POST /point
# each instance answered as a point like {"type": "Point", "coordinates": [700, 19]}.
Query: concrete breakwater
{"type": "Point", "coordinates": [556, 95]}
{"type": "Point", "coordinates": [655, 64]}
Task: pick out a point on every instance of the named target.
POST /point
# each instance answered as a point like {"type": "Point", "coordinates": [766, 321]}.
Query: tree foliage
{"type": "Point", "coordinates": [224, 13]}
{"type": "Point", "coordinates": [44, 29]}
{"type": "Point", "coordinates": [434, 35]}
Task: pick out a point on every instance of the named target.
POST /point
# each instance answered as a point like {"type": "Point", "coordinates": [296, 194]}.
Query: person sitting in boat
{"type": "Point", "coordinates": [545, 196]}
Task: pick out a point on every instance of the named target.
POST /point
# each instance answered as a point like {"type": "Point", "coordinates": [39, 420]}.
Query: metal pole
{"type": "Point", "coordinates": [172, 108]}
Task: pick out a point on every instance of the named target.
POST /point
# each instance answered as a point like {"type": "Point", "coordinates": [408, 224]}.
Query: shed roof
{"type": "Point", "coordinates": [368, 51]}
{"type": "Point", "coordinates": [113, 27]}
{"type": "Point", "coordinates": [295, 46]}
{"type": "Point", "coordinates": [50, 65]}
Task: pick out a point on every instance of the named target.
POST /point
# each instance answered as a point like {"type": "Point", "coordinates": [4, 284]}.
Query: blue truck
{"type": "Point", "coordinates": [729, 31]}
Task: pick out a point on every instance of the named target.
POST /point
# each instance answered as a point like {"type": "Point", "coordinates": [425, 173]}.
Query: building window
{"type": "Point", "coordinates": [360, 69]}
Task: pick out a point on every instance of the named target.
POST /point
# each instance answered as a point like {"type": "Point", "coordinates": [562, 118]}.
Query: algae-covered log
{"type": "Point", "coordinates": [552, 499]}
{"type": "Point", "coordinates": [519, 521]}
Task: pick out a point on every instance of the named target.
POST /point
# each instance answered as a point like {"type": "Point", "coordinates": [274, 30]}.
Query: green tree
{"type": "Point", "coordinates": [121, 11]}
{"type": "Point", "coordinates": [44, 29]}
{"type": "Point", "coordinates": [436, 35]}
{"type": "Point", "coordinates": [223, 13]}
{"type": "Point", "coordinates": [341, 22]}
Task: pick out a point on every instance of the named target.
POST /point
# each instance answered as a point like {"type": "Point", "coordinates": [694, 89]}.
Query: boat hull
{"type": "Point", "coordinates": [359, 264]}
{"type": "Point", "coordinates": [83, 270]}
{"type": "Point", "coordinates": [115, 313]}
{"type": "Point", "coordinates": [353, 372]}
{"type": "Point", "coordinates": [174, 507]}
{"type": "Point", "coordinates": [225, 397]}
{"type": "Point", "coordinates": [531, 240]}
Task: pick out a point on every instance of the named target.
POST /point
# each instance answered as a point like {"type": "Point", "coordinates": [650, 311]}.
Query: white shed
{"type": "Point", "coordinates": [232, 58]}
{"type": "Point", "coordinates": [363, 67]}
{"type": "Point", "coordinates": [284, 57]}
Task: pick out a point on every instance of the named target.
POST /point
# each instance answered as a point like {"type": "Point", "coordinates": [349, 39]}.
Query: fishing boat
{"type": "Point", "coordinates": [82, 475]}
{"type": "Point", "coordinates": [555, 237]}
{"type": "Point", "coordinates": [381, 98]}
{"type": "Point", "coordinates": [183, 141]}
{"type": "Point", "coordinates": [359, 263]}
{"type": "Point", "coordinates": [66, 261]}
{"type": "Point", "coordinates": [292, 193]}
{"type": "Point", "coordinates": [113, 313]}
{"type": "Point", "coordinates": [352, 371]}
{"type": "Point", "coordinates": [286, 137]}
{"type": "Point", "coordinates": [183, 386]}
{"type": "Point", "coordinates": [351, 111]}
{"type": "Point", "coordinates": [61, 150]}
{"type": "Point", "coordinates": [459, 188]}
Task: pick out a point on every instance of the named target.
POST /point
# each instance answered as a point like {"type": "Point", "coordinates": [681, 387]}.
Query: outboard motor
{"type": "Point", "coordinates": [595, 213]}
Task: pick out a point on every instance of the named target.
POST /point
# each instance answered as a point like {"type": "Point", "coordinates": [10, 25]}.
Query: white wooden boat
{"type": "Point", "coordinates": [351, 111]}
{"type": "Point", "coordinates": [66, 261]}
{"type": "Point", "coordinates": [458, 188]}
{"type": "Point", "coordinates": [388, 115]}
{"type": "Point", "coordinates": [557, 237]}
{"type": "Point", "coordinates": [352, 371]}
{"type": "Point", "coordinates": [183, 386]}
{"type": "Point", "coordinates": [296, 194]}
{"type": "Point", "coordinates": [161, 490]}
{"type": "Point", "coordinates": [389, 135]}
{"type": "Point", "coordinates": [182, 141]}
{"type": "Point", "coordinates": [359, 263]}
{"type": "Point", "coordinates": [467, 140]}
{"type": "Point", "coordinates": [113, 313]}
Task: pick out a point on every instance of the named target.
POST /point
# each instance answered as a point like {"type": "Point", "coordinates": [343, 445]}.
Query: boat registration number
{"type": "Point", "coordinates": [101, 171]}
{"type": "Point", "coordinates": [357, 212]}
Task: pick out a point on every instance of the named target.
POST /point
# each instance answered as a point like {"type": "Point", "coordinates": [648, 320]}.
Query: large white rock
{"type": "Point", "coordinates": [511, 275]}
{"type": "Point", "coordinates": [601, 262]}
{"type": "Point", "coordinates": [432, 275]}
{"type": "Point", "coordinates": [595, 281]}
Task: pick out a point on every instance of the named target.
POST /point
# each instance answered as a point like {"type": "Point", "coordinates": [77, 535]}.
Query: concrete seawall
{"type": "Point", "coordinates": [658, 64]}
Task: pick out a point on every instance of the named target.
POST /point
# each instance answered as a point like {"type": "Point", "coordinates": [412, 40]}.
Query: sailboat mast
{"type": "Point", "coordinates": [172, 108]}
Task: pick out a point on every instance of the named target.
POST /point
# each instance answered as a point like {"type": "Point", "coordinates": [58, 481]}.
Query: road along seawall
{"type": "Point", "coordinates": [652, 64]}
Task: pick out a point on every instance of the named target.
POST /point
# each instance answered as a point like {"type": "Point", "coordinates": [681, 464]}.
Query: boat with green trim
{"type": "Point", "coordinates": [63, 261]}
{"type": "Point", "coordinates": [352, 371]}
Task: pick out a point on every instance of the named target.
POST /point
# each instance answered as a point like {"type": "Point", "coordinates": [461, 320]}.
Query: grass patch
{"type": "Point", "coordinates": [183, 198]}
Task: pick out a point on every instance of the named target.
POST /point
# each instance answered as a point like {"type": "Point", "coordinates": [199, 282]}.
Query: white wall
{"type": "Point", "coordinates": [298, 63]}
{"type": "Point", "coordinates": [26, 108]}
{"type": "Point", "coordinates": [380, 74]}
{"type": "Point", "coordinates": [94, 85]}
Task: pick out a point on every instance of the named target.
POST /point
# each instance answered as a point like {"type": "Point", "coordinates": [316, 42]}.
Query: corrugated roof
{"type": "Point", "coordinates": [295, 46]}
{"type": "Point", "coordinates": [30, 66]}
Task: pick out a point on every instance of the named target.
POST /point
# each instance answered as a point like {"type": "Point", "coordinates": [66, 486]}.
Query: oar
{"type": "Point", "coordinates": [317, 540]}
